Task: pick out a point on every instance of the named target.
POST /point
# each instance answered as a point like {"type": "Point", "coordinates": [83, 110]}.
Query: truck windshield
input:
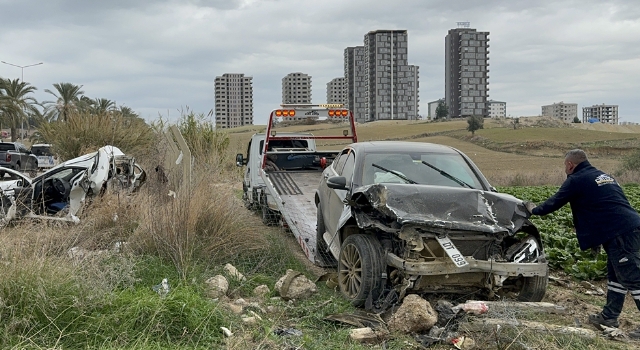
{"type": "Point", "coordinates": [413, 167]}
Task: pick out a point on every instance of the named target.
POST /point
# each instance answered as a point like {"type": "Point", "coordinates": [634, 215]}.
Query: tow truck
{"type": "Point", "coordinates": [283, 170]}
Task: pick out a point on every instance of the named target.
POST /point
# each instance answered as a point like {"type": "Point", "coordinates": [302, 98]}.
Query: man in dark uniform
{"type": "Point", "coordinates": [602, 216]}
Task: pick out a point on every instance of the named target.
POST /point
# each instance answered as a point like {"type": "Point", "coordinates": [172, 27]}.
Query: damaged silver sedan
{"type": "Point", "coordinates": [61, 192]}
{"type": "Point", "coordinates": [399, 217]}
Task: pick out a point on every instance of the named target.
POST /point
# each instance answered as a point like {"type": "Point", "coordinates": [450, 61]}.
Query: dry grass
{"type": "Point", "coordinates": [203, 223]}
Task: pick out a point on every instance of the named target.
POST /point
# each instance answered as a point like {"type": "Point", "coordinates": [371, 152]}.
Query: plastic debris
{"type": "Point", "coordinates": [286, 332]}
{"type": "Point", "coordinates": [463, 343]}
{"type": "Point", "coordinates": [162, 289]}
{"type": "Point", "coordinates": [473, 307]}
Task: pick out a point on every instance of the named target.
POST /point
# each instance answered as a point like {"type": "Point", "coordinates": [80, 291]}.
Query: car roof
{"type": "Point", "coordinates": [41, 145]}
{"type": "Point", "coordinates": [401, 146]}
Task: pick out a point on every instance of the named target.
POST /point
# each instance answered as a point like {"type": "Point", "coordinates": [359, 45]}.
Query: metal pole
{"type": "Point", "coordinates": [22, 80]}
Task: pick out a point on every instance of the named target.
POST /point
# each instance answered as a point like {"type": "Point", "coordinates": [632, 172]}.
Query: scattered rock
{"type": "Point", "coordinates": [261, 291]}
{"type": "Point", "coordinates": [367, 335]}
{"type": "Point", "coordinates": [294, 285]}
{"type": "Point", "coordinates": [217, 286]}
{"type": "Point", "coordinates": [249, 320]}
{"type": "Point", "coordinates": [591, 289]}
{"type": "Point", "coordinates": [226, 332]}
{"type": "Point", "coordinates": [235, 308]}
{"type": "Point", "coordinates": [414, 315]}
{"type": "Point", "coordinates": [233, 272]}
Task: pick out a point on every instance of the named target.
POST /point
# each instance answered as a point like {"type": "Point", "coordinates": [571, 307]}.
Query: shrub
{"type": "Point", "coordinates": [85, 132]}
{"type": "Point", "coordinates": [203, 223]}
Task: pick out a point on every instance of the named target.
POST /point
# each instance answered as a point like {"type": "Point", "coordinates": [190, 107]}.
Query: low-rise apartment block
{"type": "Point", "coordinates": [497, 109]}
{"type": "Point", "coordinates": [603, 113]}
{"type": "Point", "coordinates": [567, 112]}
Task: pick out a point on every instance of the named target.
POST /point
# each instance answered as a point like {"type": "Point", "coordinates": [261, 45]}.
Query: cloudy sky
{"type": "Point", "coordinates": [161, 56]}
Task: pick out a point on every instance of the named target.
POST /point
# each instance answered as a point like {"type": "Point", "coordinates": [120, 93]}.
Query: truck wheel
{"type": "Point", "coordinates": [245, 197]}
{"type": "Point", "coordinates": [530, 288]}
{"type": "Point", "coordinates": [325, 257]}
{"type": "Point", "coordinates": [360, 268]}
{"type": "Point", "coordinates": [269, 217]}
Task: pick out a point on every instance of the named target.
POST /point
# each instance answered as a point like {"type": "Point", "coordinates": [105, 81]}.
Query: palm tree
{"type": "Point", "coordinates": [17, 105]}
{"type": "Point", "coordinates": [127, 112]}
{"type": "Point", "coordinates": [67, 97]}
{"type": "Point", "coordinates": [103, 105]}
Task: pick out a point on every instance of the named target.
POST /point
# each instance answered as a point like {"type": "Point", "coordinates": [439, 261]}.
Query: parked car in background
{"type": "Point", "coordinates": [46, 159]}
{"type": "Point", "coordinates": [15, 155]}
{"type": "Point", "coordinates": [400, 217]}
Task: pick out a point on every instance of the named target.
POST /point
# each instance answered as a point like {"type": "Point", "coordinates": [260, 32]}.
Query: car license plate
{"type": "Point", "coordinates": [453, 252]}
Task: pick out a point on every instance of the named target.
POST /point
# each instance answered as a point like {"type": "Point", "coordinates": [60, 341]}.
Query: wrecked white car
{"type": "Point", "coordinates": [399, 217]}
{"type": "Point", "coordinates": [60, 193]}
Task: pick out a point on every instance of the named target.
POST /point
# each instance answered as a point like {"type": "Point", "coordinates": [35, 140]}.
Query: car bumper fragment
{"type": "Point", "coordinates": [443, 266]}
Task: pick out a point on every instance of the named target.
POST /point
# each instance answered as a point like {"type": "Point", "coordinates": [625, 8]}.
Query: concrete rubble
{"type": "Point", "coordinates": [217, 286]}
{"type": "Point", "coordinates": [294, 285]}
{"type": "Point", "coordinates": [415, 315]}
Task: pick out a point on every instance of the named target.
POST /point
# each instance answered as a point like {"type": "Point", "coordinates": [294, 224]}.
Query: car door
{"type": "Point", "coordinates": [338, 210]}
{"type": "Point", "coordinates": [324, 192]}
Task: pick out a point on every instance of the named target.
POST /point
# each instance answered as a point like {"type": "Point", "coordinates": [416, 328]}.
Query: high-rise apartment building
{"type": "Point", "coordinates": [354, 82]}
{"type": "Point", "coordinates": [467, 71]}
{"type": "Point", "coordinates": [379, 82]}
{"type": "Point", "coordinates": [564, 111]}
{"type": "Point", "coordinates": [336, 91]}
{"type": "Point", "coordinates": [391, 83]}
{"type": "Point", "coordinates": [296, 88]}
{"type": "Point", "coordinates": [234, 100]}
{"type": "Point", "coordinates": [607, 114]}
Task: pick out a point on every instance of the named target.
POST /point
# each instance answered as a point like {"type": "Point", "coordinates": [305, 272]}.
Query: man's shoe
{"type": "Point", "coordinates": [598, 320]}
{"type": "Point", "coordinates": [635, 334]}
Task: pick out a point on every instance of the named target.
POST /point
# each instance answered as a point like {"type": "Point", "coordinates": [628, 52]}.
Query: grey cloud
{"type": "Point", "coordinates": [160, 55]}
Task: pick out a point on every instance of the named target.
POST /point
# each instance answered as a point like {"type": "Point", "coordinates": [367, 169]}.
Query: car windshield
{"type": "Point", "coordinates": [412, 167]}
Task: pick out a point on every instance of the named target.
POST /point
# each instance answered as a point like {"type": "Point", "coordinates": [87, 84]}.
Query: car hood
{"type": "Point", "coordinates": [436, 208]}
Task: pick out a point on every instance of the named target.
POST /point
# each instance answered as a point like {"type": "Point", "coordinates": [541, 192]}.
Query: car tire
{"type": "Point", "coordinates": [360, 268]}
{"type": "Point", "coordinates": [532, 288]}
{"type": "Point", "coordinates": [325, 258]}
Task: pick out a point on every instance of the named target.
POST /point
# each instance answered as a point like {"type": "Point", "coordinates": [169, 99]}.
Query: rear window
{"type": "Point", "coordinates": [7, 147]}
{"type": "Point", "coordinates": [41, 150]}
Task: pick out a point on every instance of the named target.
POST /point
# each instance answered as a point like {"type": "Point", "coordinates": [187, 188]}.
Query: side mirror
{"type": "Point", "coordinates": [240, 160]}
{"type": "Point", "coordinates": [337, 183]}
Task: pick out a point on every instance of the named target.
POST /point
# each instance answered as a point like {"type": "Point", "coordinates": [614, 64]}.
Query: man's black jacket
{"type": "Point", "coordinates": [600, 209]}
